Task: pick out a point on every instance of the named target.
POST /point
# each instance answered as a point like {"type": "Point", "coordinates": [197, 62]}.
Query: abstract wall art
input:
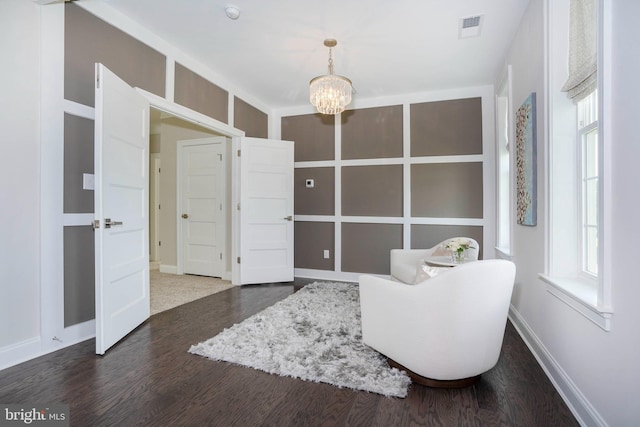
{"type": "Point", "coordinates": [526, 159]}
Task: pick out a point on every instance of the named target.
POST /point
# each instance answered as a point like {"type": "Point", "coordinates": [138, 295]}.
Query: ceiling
{"type": "Point", "coordinates": [385, 47]}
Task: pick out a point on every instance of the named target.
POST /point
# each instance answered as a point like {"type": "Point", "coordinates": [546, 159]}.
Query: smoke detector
{"type": "Point", "coordinates": [232, 12]}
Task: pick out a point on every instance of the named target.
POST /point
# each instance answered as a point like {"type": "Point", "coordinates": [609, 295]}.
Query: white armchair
{"type": "Point", "coordinates": [404, 262]}
{"type": "Point", "coordinates": [445, 331]}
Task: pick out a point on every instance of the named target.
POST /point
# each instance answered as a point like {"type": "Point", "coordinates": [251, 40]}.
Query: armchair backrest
{"type": "Point", "coordinates": [404, 262]}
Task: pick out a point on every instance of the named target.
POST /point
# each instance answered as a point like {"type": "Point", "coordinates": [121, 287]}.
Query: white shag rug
{"type": "Point", "coordinates": [315, 335]}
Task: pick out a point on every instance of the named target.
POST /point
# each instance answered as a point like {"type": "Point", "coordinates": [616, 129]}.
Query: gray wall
{"type": "Point", "coordinates": [365, 247]}
{"type": "Point", "coordinates": [199, 94]}
{"type": "Point", "coordinates": [251, 120]}
{"type": "Point", "coordinates": [319, 200]}
{"type": "Point", "coordinates": [447, 190]}
{"type": "Point", "coordinates": [314, 136]}
{"type": "Point", "coordinates": [88, 39]}
{"type": "Point", "coordinates": [372, 168]}
{"type": "Point", "coordinates": [372, 133]}
{"type": "Point", "coordinates": [446, 128]}
{"type": "Point", "coordinates": [427, 235]}
{"type": "Point", "coordinates": [79, 271]}
{"type": "Point", "coordinates": [78, 160]}
{"type": "Point", "coordinates": [315, 237]}
{"type": "Point", "coordinates": [372, 190]}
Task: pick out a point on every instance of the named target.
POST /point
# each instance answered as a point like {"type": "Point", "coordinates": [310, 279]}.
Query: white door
{"type": "Point", "coordinates": [121, 209]}
{"type": "Point", "coordinates": [202, 207]}
{"type": "Point", "coordinates": [266, 211]}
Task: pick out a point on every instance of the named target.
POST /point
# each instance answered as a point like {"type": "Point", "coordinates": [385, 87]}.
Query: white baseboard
{"type": "Point", "coordinates": [173, 269]}
{"type": "Point", "coordinates": [581, 408]}
{"type": "Point", "coordinates": [14, 354]}
{"type": "Point", "coordinates": [170, 269]}
{"type": "Point", "coordinates": [24, 351]}
{"type": "Point", "coordinates": [328, 275]}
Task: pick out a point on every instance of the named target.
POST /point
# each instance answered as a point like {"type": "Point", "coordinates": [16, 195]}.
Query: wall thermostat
{"type": "Point", "coordinates": [309, 183]}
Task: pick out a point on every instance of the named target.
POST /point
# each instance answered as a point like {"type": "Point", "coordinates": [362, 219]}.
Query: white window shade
{"type": "Point", "coordinates": [583, 56]}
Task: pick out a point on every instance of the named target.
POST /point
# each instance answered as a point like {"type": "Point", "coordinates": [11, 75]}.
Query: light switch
{"type": "Point", "coordinates": [310, 183]}
{"type": "Point", "coordinates": [326, 254]}
{"type": "Point", "coordinates": [88, 182]}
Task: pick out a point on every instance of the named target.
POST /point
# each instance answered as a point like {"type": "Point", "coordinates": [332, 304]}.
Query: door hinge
{"type": "Point", "coordinates": [238, 260]}
{"type": "Point", "coordinates": [220, 255]}
{"type": "Point", "coordinates": [159, 243]}
{"type": "Point", "coordinates": [238, 153]}
{"type": "Point", "coordinates": [98, 80]}
{"type": "Point", "coordinates": [95, 223]}
{"type": "Point", "coordinates": [159, 169]}
{"type": "Point", "coordinates": [220, 206]}
{"type": "Point", "coordinates": [220, 155]}
{"type": "Point", "coordinates": [238, 206]}
{"type": "Point", "coordinates": [159, 206]}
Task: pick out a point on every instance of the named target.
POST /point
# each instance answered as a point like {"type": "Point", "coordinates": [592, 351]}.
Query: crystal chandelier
{"type": "Point", "coordinates": [330, 94]}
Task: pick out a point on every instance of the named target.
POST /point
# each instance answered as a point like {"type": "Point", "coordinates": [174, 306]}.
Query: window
{"type": "Point", "coordinates": [588, 140]}
{"type": "Point", "coordinates": [503, 161]}
{"type": "Point", "coordinates": [576, 263]}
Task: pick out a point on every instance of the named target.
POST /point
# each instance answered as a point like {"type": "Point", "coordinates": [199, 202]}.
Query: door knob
{"type": "Point", "coordinates": [288, 218]}
{"type": "Point", "coordinates": [108, 223]}
{"type": "Point", "coordinates": [185, 216]}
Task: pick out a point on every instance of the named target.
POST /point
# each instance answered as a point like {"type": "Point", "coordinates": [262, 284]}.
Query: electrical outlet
{"type": "Point", "coordinates": [309, 183]}
{"type": "Point", "coordinates": [326, 254]}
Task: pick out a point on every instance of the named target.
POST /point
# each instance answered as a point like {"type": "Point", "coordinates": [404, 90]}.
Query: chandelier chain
{"type": "Point", "coordinates": [330, 62]}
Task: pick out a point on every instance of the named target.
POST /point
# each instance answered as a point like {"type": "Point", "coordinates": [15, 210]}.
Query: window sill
{"type": "Point", "coordinates": [504, 253]}
{"type": "Point", "coordinates": [580, 295]}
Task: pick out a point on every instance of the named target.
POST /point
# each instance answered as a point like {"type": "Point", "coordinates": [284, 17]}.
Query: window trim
{"type": "Point", "coordinates": [578, 294]}
{"type": "Point", "coordinates": [590, 298]}
{"type": "Point", "coordinates": [504, 89]}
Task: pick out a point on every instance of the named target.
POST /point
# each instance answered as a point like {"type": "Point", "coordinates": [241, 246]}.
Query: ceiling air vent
{"type": "Point", "coordinates": [470, 26]}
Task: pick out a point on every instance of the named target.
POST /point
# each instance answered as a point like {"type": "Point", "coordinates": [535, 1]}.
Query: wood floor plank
{"type": "Point", "coordinates": [363, 410]}
{"type": "Point", "coordinates": [338, 408]}
{"type": "Point", "coordinates": [149, 378]}
{"type": "Point", "coordinates": [311, 400]}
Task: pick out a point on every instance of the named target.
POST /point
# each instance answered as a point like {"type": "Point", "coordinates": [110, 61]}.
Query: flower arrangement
{"type": "Point", "coordinates": [457, 247]}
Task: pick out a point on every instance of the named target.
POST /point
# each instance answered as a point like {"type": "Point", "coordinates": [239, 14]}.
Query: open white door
{"type": "Point", "coordinates": [266, 211]}
{"type": "Point", "coordinates": [121, 209]}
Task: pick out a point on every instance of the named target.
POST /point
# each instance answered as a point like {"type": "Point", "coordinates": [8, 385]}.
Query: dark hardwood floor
{"type": "Point", "coordinates": [149, 379]}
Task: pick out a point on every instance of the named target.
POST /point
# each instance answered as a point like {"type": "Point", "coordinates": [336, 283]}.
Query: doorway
{"type": "Point", "coordinates": [166, 133]}
{"type": "Point", "coordinates": [244, 269]}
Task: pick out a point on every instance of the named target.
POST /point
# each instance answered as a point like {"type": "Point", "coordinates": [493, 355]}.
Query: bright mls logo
{"type": "Point", "coordinates": [38, 415]}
